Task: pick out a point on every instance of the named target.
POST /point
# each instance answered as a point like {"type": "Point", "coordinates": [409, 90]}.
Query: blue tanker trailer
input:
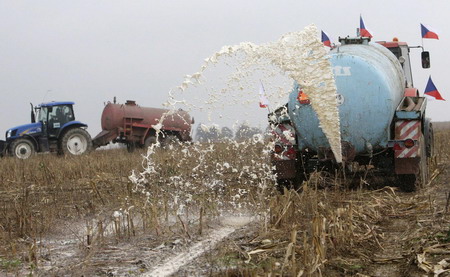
{"type": "Point", "coordinates": [382, 118]}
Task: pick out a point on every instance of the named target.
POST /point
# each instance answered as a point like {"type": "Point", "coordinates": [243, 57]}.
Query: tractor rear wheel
{"type": "Point", "coordinates": [22, 148]}
{"type": "Point", "coordinates": [76, 141]}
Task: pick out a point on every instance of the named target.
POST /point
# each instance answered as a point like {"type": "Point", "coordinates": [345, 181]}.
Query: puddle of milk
{"type": "Point", "coordinates": [173, 264]}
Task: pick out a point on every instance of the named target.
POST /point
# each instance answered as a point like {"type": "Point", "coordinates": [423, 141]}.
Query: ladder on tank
{"type": "Point", "coordinates": [128, 127]}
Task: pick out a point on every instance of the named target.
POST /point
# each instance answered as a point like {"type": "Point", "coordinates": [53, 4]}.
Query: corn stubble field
{"type": "Point", "coordinates": [85, 216]}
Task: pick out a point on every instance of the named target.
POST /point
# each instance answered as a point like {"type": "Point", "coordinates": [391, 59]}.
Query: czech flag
{"type": "Point", "coordinates": [362, 29]}
{"type": "Point", "coordinates": [263, 101]}
{"type": "Point", "coordinates": [431, 91]}
{"type": "Point", "coordinates": [325, 39]}
{"type": "Point", "coordinates": [428, 33]}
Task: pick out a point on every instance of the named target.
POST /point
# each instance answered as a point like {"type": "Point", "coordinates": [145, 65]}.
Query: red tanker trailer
{"type": "Point", "coordinates": [135, 126]}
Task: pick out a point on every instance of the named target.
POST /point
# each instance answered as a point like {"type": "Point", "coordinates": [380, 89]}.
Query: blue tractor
{"type": "Point", "coordinates": [53, 128]}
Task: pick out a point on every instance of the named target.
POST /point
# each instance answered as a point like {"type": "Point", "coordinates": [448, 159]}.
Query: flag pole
{"type": "Point", "coordinates": [260, 81]}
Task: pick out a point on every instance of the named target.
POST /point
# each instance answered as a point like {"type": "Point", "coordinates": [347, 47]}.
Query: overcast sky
{"type": "Point", "coordinates": [90, 51]}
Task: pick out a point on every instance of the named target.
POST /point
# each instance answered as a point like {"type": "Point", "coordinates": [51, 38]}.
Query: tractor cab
{"type": "Point", "coordinates": [54, 116]}
{"type": "Point", "coordinates": [401, 51]}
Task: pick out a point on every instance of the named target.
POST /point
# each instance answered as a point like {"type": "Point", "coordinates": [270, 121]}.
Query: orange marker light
{"type": "Point", "coordinates": [303, 98]}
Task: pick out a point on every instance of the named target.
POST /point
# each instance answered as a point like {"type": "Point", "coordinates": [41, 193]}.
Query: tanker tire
{"type": "Point", "coordinates": [424, 169]}
{"type": "Point", "coordinates": [430, 142]}
{"type": "Point", "coordinates": [407, 182]}
{"type": "Point", "coordinates": [22, 148]}
{"type": "Point", "coordinates": [76, 141]}
{"type": "Point", "coordinates": [150, 140]}
{"type": "Point", "coordinates": [131, 146]}
{"type": "Point", "coordinates": [169, 140]}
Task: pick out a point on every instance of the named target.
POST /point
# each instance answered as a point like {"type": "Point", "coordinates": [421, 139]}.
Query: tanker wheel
{"type": "Point", "coordinates": [131, 146]}
{"type": "Point", "coordinates": [411, 182]}
{"type": "Point", "coordinates": [150, 140]}
{"type": "Point", "coordinates": [22, 148]}
{"type": "Point", "coordinates": [76, 141]}
{"type": "Point", "coordinates": [424, 169]}
{"type": "Point", "coordinates": [169, 140]}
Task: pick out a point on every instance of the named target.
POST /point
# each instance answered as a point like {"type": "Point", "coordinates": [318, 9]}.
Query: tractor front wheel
{"type": "Point", "coordinates": [22, 148]}
{"type": "Point", "coordinates": [76, 141]}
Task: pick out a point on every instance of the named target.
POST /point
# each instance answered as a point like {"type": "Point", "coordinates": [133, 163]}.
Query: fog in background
{"type": "Point", "coordinates": [90, 51]}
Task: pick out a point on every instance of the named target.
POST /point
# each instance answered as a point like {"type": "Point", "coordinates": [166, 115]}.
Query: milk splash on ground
{"type": "Point", "coordinates": [299, 55]}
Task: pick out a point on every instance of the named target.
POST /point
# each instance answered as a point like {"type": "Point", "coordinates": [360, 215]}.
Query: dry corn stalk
{"type": "Point", "coordinates": [439, 268]}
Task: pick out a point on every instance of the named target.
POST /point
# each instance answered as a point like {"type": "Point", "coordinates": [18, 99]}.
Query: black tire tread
{"type": "Point", "coordinates": [16, 142]}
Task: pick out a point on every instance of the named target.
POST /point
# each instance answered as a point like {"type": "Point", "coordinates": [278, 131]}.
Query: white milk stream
{"type": "Point", "coordinates": [302, 57]}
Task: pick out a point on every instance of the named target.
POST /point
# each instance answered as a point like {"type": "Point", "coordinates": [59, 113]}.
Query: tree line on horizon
{"type": "Point", "coordinates": [216, 133]}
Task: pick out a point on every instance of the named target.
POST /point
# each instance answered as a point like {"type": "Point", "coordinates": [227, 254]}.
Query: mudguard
{"type": "Point", "coordinates": [70, 125]}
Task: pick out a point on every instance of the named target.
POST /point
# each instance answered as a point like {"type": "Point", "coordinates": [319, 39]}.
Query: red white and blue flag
{"type": "Point", "coordinates": [431, 91]}
{"type": "Point", "coordinates": [326, 39]}
{"type": "Point", "coordinates": [263, 101]}
{"type": "Point", "coordinates": [428, 32]}
{"type": "Point", "coordinates": [362, 29]}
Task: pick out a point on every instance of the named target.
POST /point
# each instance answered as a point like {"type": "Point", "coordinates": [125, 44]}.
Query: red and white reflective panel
{"type": "Point", "coordinates": [284, 134]}
{"type": "Point", "coordinates": [407, 152]}
{"type": "Point", "coordinates": [407, 129]}
{"type": "Point", "coordinates": [285, 137]}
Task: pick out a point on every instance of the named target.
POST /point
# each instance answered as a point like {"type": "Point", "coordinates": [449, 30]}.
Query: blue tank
{"type": "Point", "coordinates": [370, 84]}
